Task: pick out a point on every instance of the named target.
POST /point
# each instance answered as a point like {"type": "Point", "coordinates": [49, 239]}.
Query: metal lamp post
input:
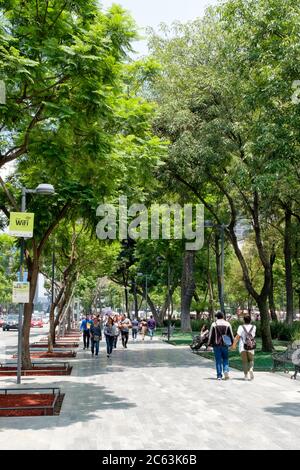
{"type": "Point", "coordinates": [41, 189]}
{"type": "Point", "coordinates": [146, 290]}
{"type": "Point", "coordinates": [209, 223]}
{"type": "Point", "coordinates": [159, 260]}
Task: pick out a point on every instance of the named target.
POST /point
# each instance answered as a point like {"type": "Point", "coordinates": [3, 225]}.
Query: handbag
{"type": "Point", "coordinates": [227, 341]}
{"type": "Point", "coordinates": [96, 338]}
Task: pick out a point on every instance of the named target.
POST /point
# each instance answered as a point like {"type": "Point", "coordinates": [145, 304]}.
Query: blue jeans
{"type": "Point", "coordinates": [109, 343]}
{"type": "Point", "coordinates": [95, 345]}
{"type": "Point", "coordinates": [222, 360]}
{"type": "Point", "coordinates": [151, 332]}
{"type": "Point", "coordinates": [134, 333]}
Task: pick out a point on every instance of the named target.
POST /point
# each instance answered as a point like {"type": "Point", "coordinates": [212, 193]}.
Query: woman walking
{"type": "Point", "coordinates": [110, 333]}
{"type": "Point", "coordinates": [221, 338]}
{"type": "Point", "coordinates": [247, 344]}
{"type": "Point", "coordinates": [116, 324]}
{"type": "Point", "coordinates": [96, 336]}
{"type": "Point", "coordinates": [144, 328]}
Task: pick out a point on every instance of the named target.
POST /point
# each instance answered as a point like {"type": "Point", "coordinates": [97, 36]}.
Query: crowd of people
{"type": "Point", "coordinates": [219, 337]}
{"type": "Point", "coordinates": [113, 326]}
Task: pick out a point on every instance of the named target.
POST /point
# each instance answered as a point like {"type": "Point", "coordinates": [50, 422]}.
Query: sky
{"type": "Point", "coordinates": [153, 12]}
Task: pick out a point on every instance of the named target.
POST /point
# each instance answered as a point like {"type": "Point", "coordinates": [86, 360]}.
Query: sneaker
{"type": "Point", "coordinates": [219, 378]}
{"type": "Point", "coordinates": [108, 355]}
{"type": "Point", "coordinates": [226, 376]}
{"type": "Point", "coordinates": [246, 377]}
{"type": "Point", "coordinates": [251, 375]}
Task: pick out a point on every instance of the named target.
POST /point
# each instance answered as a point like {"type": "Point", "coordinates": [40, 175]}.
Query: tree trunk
{"type": "Point", "coordinates": [288, 267]}
{"type": "Point", "coordinates": [267, 345]}
{"type": "Point", "coordinates": [135, 297]}
{"type": "Point", "coordinates": [198, 311]}
{"type": "Point", "coordinates": [69, 320]}
{"type": "Point", "coordinates": [152, 308]}
{"type": "Point", "coordinates": [218, 266]}
{"type": "Point", "coordinates": [187, 290]}
{"type": "Point", "coordinates": [126, 300]}
{"type": "Point", "coordinates": [271, 300]}
{"type": "Point", "coordinates": [51, 335]}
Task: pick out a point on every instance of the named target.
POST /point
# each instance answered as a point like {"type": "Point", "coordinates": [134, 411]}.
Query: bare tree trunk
{"type": "Point", "coordinates": [187, 290]}
{"type": "Point", "coordinates": [126, 300]}
{"type": "Point", "coordinates": [218, 266]}
{"type": "Point", "coordinates": [271, 293]}
{"type": "Point", "coordinates": [288, 267]}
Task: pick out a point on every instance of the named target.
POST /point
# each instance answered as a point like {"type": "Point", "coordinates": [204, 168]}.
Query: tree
{"type": "Point", "coordinates": [60, 64]}
{"type": "Point", "coordinates": [230, 128]}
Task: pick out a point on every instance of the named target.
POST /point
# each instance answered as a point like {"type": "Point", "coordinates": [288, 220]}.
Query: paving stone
{"type": "Point", "coordinates": [157, 396]}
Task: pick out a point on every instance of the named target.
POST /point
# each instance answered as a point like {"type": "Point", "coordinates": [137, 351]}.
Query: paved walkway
{"type": "Point", "coordinates": [156, 396]}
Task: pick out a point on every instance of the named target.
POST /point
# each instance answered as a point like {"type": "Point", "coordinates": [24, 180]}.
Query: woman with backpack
{"type": "Point", "coordinates": [247, 344]}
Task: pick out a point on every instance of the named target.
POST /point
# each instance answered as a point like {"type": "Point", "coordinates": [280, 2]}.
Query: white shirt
{"type": "Point", "coordinates": [242, 335]}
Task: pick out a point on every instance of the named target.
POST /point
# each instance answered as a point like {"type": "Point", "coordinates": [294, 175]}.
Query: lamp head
{"type": "Point", "coordinates": [46, 189]}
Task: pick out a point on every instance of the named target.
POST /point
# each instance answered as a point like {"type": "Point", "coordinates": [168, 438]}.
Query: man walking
{"type": "Point", "coordinates": [151, 326]}
{"type": "Point", "coordinates": [85, 328]}
{"type": "Point", "coordinates": [135, 328]}
{"type": "Point", "coordinates": [221, 338]}
{"type": "Point", "coordinates": [124, 326]}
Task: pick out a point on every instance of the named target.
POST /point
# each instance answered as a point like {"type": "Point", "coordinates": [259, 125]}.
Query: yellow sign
{"type": "Point", "coordinates": [21, 224]}
{"type": "Point", "coordinates": [21, 292]}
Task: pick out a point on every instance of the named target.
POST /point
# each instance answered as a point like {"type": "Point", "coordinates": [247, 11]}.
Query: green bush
{"type": "Point", "coordinates": [198, 324]}
{"type": "Point", "coordinates": [279, 330]}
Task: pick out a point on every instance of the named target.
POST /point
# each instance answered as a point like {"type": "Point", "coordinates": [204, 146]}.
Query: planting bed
{"type": "Point", "coordinates": [29, 402]}
{"type": "Point", "coordinates": [54, 354]}
{"type": "Point", "coordinates": [56, 346]}
{"type": "Point", "coordinates": [37, 369]}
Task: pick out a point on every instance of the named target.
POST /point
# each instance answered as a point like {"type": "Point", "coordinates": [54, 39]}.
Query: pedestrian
{"type": "Point", "coordinates": [151, 325]}
{"type": "Point", "coordinates": [117, 330]}
{"type": "Point", "coordinates": [85, 328]}
{"type": "Point", "coordinates": [110, 333]}
{"type": "Point", "coordinates": [135, 328]}
{"type": "Point", "coordinates": [96, 336]}
{"type": "Point", "coordinates": [247, 345]}
{"type": "Point", "coordinates": [144, 328]}
{"type": "Point", "coordinates": [125, 325]}
{"type": "Point", "coordinates": [221, 338]}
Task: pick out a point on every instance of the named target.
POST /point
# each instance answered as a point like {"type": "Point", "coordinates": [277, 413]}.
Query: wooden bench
{"type": "Point", "coordinates": [283, 361]}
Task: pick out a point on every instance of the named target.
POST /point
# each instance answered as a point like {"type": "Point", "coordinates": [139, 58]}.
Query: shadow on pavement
{"type": "Point", "coordinates": [285, 409]}
{"type": "Point", "coordinates": [82, 403]}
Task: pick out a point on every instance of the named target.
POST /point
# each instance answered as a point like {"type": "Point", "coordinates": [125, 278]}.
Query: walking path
{"type": "Point", "coordinates": [157, 396]}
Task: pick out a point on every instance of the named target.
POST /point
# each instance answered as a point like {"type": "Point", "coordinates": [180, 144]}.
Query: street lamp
{"type": "Point", "coordinates": [146, 288]}
{"type": "Point", "coordinates": [222, 227]}
{"type": "Point", "coordinates": [41, 189]}
{"type": "Point", "coordinates": [159, 259]}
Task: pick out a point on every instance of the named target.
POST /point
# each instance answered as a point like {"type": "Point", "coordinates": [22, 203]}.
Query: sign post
{"type": "Point", "coordinates": [21, 226]}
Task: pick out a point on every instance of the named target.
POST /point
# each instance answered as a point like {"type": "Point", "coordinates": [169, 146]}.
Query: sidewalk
{"type": "Point", "coordinates": [157, 396]}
